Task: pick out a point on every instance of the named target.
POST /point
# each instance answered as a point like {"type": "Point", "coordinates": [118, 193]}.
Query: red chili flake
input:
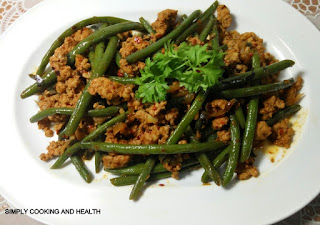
{"type": "Point", "coordinates": [254, 44]}
{"type": "Point", "coordinates": [137, 40]}
{"type": "Point", "coordinates": [281, 131]}
{"type": "Point", "coordinates": [250, 54]}
{"type": "Point", "coordinates": [120, 73]}
{"type": "Point", "coordinates": [161, 185]}
{"type": "Point", "coordinates": [154, 108]}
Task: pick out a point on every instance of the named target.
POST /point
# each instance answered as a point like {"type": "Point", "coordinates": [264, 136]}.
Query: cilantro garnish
{"type": "Point", "coordinates": [195, 67]}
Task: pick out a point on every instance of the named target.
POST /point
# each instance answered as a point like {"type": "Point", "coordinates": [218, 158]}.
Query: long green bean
{"type": "Point", "coordinates": [81, 168]}
{"type": "Point", "coordinates": [100, 35]}
{"type": "Point", "coordinates": [215, 39]}
{"type": "Point", "coordinates": [240, 117]}
{"type": "Point", "coordinates": [158, 168]}
{"type": "Point", "coordinates": [143, 53]}
{"type": "Point", "coordinates": [131, 179]}
{"type": "Point", "coordinates": [286, 112]}
{"type": "Point", "coordinates": [85, 98]}
{"type": "Point", "coordinates": [109, 111]}
{"type": "Point", "coordinates": [217, 162]}
{"type": "Point", "coordinates": [144, 175]}
{"type": "Point", "coordinates": [191, 29]}
{"type": "Point", "coordinates": [208, 28]}
{"type": "Point", "coordinates": [59, 41]}
{"type": "Point", "coordinates": [94, 134]}
{"type": "Point", "coordinates": [255, 90]}
{"type": "Point", "coordinates": [251, 121]}
{"type": "Point", "coordinates": [234, 153]}
{"type": "Point", "coordinates": [47, 80]}
{"type": "Point", "coordinates": [152, 149]}
{"type": "Point", "coordinates": [146, 25]}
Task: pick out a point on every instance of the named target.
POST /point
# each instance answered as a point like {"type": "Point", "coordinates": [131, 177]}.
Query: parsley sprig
{"type": "Point", "coordinates": [195, 67]}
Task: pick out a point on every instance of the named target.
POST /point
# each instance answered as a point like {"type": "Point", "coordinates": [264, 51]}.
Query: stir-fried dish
{"type": "Point", "coordinates": [152, 101]}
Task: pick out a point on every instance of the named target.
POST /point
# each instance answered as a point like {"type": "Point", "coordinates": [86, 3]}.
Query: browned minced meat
{"type": "Point", "coordinates": [282, 133]}
{"type": "Point", "coordinates": [241, 48]}
{"type": "Point", "coordinates": [219, 107]}
{"type": "Point", "coordinates": [223, 16]}
{"type": "Point", "coordinates": [291, 95]}
{"type": "Point", "coordinates": [171, 116]}
{"type": "Point", "coordinates": [262, 131]}
{"type": "Point", "coordinates": [270, 106]}
{"type": "Point", "coordinates": [156, 108]}
{"type": "Point", "coordinates": [195, 40]}
{"type": "Point", "coordinates": [111, 90]}
{"type": "Point", "coordinates": [219, 122]}
{"type": "Point", "coordinates": [224, 136]}
{"type": "Point", "coordinates": [173, 164]}
{"type": "Point", "coordinates": [165, 22]}
{"type": "Point", "coordinates": [114, 161]}
{"type": "Point", "coordinates": [55, 148]}
{"type": "Point", "coordinates": [44, 125]}
{"type": "Point", "coordinates": [247, 170]}
{"type": "Point", "coordinates": [131, 45]}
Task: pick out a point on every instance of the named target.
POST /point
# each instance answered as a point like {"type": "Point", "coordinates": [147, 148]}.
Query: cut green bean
{"type": "Point", "coordinates": [215, 40]}
{"type": "Point", "coordinates": [143, 53]}
{"type": "Point", "coordinates": [208, 28]}
{"type": "Point", "coordinates": [81, 168]}
{"type": "Point", "coordinates": [109, 111]}
{"type": "Point", "coordinates": [234, 153]}
{"type": "Point", "coordinates": [146, 25]}
{"type": "Point", "coordinates": [217, 162]}
{"type": "Point", "coordinates": [85, 98]}
{"type": "Point", "coordinates": [184, 17]}
{"type": "Point", "coordinates": [144, 175]}
{"type": "Point", "coordinates": [91, 58]}
{"type": "Point", "coordinates": [284, 113]}
{"type": "Point", "coordinates": [98, 53]}
{"type": "Point", "coordinates": [94, 134]}
{"type": "Point", "coordinates": [47, 80]}
{"type": "Point", "coordinates": [118, 58]}
{"type": "Point", "coordinates": [152, 149]}
{"type": "Point", "coordinates": [256, 90]}
{"type": "Point", "coordinates": [251, 122]}
{"type": "Point", "coordinates": [240, 117]}
{"type": "Point", "coordinates": [100, 35]}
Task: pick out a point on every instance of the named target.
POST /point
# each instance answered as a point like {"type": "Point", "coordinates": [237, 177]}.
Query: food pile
{"type": "Point", "coordinates": [151, 101]}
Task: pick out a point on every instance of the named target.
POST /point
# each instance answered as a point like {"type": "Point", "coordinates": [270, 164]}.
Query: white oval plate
{"type": "Point", "coordinates": [27, 182]}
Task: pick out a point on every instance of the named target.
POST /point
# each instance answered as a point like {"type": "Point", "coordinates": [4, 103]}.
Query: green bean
{"type": "Point", "coordinates": [152, 149]}
{"type": "Point", "coordinates": [144, 175]}
{"type": "Point", "coordinates": [217, 162]}
{"type": "Point", "coordinates": [98, 53]}
{"type": "Point", "coordinates": [208, 28]}
{"type": "Point", "coordinates": [97, 161]}
{"type": "Point", "coordinates": [183, 100]}
{"type": "Point", "coordinates": [146, 25]}
{"type": "Point", "coordinates": [234, 153]}
{"type": "Point", "coordinates": [131, 179]}
{"type": "Point", "coordinates": [100, 35]}
{"type": "Point", "coordinates": [91, 58]}
{"type": "Point", "coordinates": [236, 82]}
{"type": "Point", "coordinates": [81, 168]}
{"type": "Point", "coordinates": [85, 98]}
{"type": "Point", "coordinates": [251, 122]}
{"type": "Point", "coordinates": [256, 90]}
{"type": "Point", "coordinates": [215, 40]}
{"type": "Point", "coordinates": [286, 112]}
{"type": "Point", "coordinates": [109, 111]}
{"type": "Point", "coordinates": [123, 80]}
{"type": "Point", "coordinates": [191, 29]}
{"type": "Point", "coordinates": [264, 71]}
{"type": "Point", "coordinates": [59, 41]}
{"type": "Point", "coordinates": [184, 17]}
{"type": "Point", "coordinates": [141, 54]}
{"type": "Point", "coordinates": [203, 159]}
{"type": "Point", "coordinates": [188, 117]}
{"type": "Point", "coordinates": [158, 168]}
{"type": "Point", "coordinates": [94, 134]}
{"type": "Point", "coordinates": [47, 80]}
{"type": "Point", "coordinates": [240, 117]}
{"type": "Point", "coordinates": [118, 58]}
